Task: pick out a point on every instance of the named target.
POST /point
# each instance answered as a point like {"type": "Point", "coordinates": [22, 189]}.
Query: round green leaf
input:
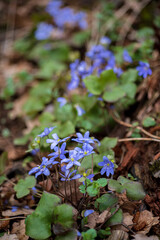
{"type": "Point", "coordinates": [114, 95]}
{"type": "Point", "coordinates": [149, 122]}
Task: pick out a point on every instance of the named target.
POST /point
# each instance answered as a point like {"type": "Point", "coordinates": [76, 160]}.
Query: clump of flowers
{"type": "Point", "coordinates": [62, 17]}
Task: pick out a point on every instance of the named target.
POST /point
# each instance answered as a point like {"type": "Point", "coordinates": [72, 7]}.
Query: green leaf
{"type": "Point", "coordinates": [2, 179]}
{"type": "Point", "coordinates": [97, 85]}
{"type": "Point", "coordinates": [134, 190]}
{"type": "Point", "coordinates": [81, 37]}
{"type": "Point", "coordinates": [46, 118]}
{"type": "Point", "coordinates": [114, 94]}
{"type": "Point", "coordinates": [23, 185]}
{"type": "Point", "coordinates": [91, 234]}
{"type": "Point", "coordinates": [105, 201]}
{"type": "Point", "coordinates": [130, 89]}
{"type": "Point", "coordinates": [123, 180]}
{"type": "Point", "coordinates": [3, 161]}
{"type": "Point", "coordinates": [114, 185]}
{"type": "Point", "coordinates": [102, 182]}
{"type": "Point", "coordinates": [149, 122]}
{"type": "Point", "coordinates": [65, 129]}
{"type": "Point", "coordinates": [63, 215]}
{"type": "Point", "coordinates": [107, 143]}
{"type": "Point", "coordinates": [116, 219]}
{"type": "Point", "coordinates": [70, 235]}
{"type": "Point", "coordinates": [38, 224]}
{"type": "Point", "coordinates": [103, 233]}
{"type": "Point", "coordinates": [82, 188]}
{"type": "Point", "coordinates": [32, 109]}
{"type": "Point", "coordinates": [92, 191]}
{"type": "Point", "coordinates": [129, 76]}
{"type": "Point", "coordinates": [22, 140]}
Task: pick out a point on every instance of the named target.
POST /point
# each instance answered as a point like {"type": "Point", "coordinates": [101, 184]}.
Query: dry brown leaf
{"type": "Point", "coordinates": [19, 229]}
{"type": "Point", "coordinates": [118, 235]}
{"type": "Point", "coordinates": [103, 216]}
{"type": "Point", "coordinates": [144, 237]}
{"type": "Point", "coordinates": [4, 224]}
{"type": "Point", "coordinates": [92, 220]}
{"type": "Point", "coordinates": [145, 221]}
{"type": "Point", "coordinates": [127, 220]}
{"type": "Point", "coordinates": [23, 211]}
{"type": "Point", "coordinates": [9, 237]}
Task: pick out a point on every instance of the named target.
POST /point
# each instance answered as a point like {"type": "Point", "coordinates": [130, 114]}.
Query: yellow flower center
{"type": "Point", "coordinates": [85, 152]}
{"type": "Point", "coordinates": [58, 140]}
{"type": "Point", "coordinates": [44, 166]}
{"type": "Point", "coordinates": [108, 164]}
{"type": "Point", "coordinates": [84, 174]}
{"type": "Point", "coordinates": [72, 159]}
{"type": "Point", "coordinates": [112, 160]}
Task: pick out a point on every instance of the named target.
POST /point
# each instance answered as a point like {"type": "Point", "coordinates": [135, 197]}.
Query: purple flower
{"type": "Point", "coordinates": [80, 110]}
{"type": "Point", "coordinates": [72, 160]}
{"type": "Point", "coordinates": [53, 7]}
{"type": "Point", "coordinates": [62, 101]}
{"type": "Point", "coordinates": [88, 212]}
{"type": "Point", "coordinates": [86, 150]}
{"type": "Point", "coordinates": [85, 139]}
{"type": "Point", "coordinates": [108, 166]}
{"type": "Point", "coordinates": [144, 69]}
{"type": "Point", "coordinates": [14, 208]}
{"type": "Point", "coordinates": [43, 168]}
{"type": "Point", "coordinates": [59, 152]}
{"type": "Point", "coordinates": [34, 151]}
{"type": "Point", "coordinates": [116, 70]}
{"type": "Point", "coordinates": [105, 40]}
{"type": "Point", "coordinates": [46, 132]}
{"type": "Point", "coordinates": [43, 31]}
{"type": "Point", "coordinates": [56, 140]}
{"type": "Point", "coordinates": [68, 176]}
{"type": "Point", "coordinates": [126, 56]}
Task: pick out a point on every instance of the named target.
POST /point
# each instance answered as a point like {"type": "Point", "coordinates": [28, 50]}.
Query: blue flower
{"type": "Point", "coordinates": [105, 40]}
{"type": "Point", "coordinates": [126, 56]}
{"type": "Point", "coordinates": [43, 168]}
{"type": "Point", "coordinates": [14, 208]}
{"type": "Point", "coordinates": [46, 132]}
{"type": "Point", "coordinates": [72, 160]}
{"type": "Point", "coordinates": [67, 176]}
{"type": "Point", "coordinates": [74, 81]}
{"type": "Point", "coordinates": [144, 69]}
{"type": "Point", "coordinates": [59, 152]}
{"type": "Point", "coordinates": [86, 150]}
{"type": "Point", "coordinates": [34, 151]}
{"type": "Point", "coordinates": [43, 31]}
{"type": "Point", "coordinates": [88, 212]}
{"type": "Point", "coordinates": [56, 140]}
{"type": "Point", "coordinates": [62, 101]}
{"type": "Point", "coordinates": [53, 7]}
{"type": "Point", "coordinates": [108, 166]}
{"type": "Point", "coordinates": [85, 139]}
{"type": "Point", "coordinates": [80, 110]}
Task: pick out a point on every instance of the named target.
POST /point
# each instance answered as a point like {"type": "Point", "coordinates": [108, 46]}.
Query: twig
{"type": "Point", "coordinates": [138, 139]}
{"type": "Point", "coordinates": [131, 126]}
{"type": "Point", "coordinates": [4, 219]}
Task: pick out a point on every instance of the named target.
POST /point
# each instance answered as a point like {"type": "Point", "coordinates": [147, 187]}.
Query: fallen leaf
{"type": "Point", "coordinates": [103, 216]}
{"type": "Point", "coordinates": [9, 237]}
{"type": "Point", "coordinates": [19, 229]}
{"type": "Point", "coordinates": [144, 221]}
{"type": "Point", "coordinates": [128, 221]}
{"type": "Point", "coordinates": [144, 237]}
{"type": "Point", "coordinates": [92, 220]}
{"type": "Point", "coordinates": [23, 211]}
{"type": "Point", "coordinates": [118, 235]}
